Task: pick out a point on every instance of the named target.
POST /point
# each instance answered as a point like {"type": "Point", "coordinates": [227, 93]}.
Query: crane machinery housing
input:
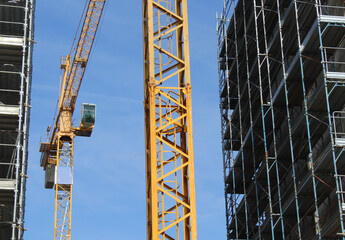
{"type": "Point", "coordinates": [57, 151]}
{"type": "Point", "coordinates": [170, 187]}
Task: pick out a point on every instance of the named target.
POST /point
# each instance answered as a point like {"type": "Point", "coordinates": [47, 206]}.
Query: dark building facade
{"type": "Point", "coordinates": [16, 41]}
{"type": "Point", "coordinates": [282, 101]}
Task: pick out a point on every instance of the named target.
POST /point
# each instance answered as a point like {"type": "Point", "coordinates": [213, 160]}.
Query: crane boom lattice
{"type": "Point", "coordinates": [170, 185]}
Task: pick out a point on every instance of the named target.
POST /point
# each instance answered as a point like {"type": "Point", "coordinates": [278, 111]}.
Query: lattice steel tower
{"type": "Point", "coordinates": [168, 122]}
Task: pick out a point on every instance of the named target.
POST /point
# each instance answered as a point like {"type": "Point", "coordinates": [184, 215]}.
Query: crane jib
{"type": "Point", "coordinates": [82, 50]}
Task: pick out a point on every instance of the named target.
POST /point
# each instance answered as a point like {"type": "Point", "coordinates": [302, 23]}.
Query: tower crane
{"type": "Point", "coordinates": [57, 151]}
{"type": "Point", "coordinates": [170, 186]}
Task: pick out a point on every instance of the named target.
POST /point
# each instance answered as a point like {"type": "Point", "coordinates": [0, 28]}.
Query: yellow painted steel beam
{"type": "Point", "coordinates": [63, 190]}
{"type": "Point", "coordinates": [170, 186]}
{"type": "Point", "coordinates": [74, 66]}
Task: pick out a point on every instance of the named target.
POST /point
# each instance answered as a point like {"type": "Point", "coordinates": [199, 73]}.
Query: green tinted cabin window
{"type": "Point", "coordinates": [88, 114]}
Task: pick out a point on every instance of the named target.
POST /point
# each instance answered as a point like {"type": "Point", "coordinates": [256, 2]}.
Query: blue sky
{"type": "Point", "coordinates": [109, 167]}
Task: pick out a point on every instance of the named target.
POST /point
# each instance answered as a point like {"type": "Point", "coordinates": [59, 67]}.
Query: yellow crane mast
{"type": "Point", "coordinates": [170, 185]}
{"type": "Point", "coordinates": [57, 151]}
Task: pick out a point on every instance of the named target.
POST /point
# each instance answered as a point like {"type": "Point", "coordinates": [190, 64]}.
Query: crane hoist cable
{"type": "Point", "coordinates": [57, 151]}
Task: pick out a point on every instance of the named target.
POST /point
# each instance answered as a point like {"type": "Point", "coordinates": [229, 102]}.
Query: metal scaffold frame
{"type": "Point", "coordinates": [268, 112]}
{"type": "Point", "coordinates": [170, 186]}
{"type": "Point", "coordinates": [307, 123]}
{"type": "Point", "coordinates": [281, 72]}
{"type": "Point", "coordinates": [251, 132]}
{"type": "Point", "coordinates": [16, 45]}
{"type": "Point", "coordinates": [333, 71]}
{"type": "Point", "coordinates": [231, 198]}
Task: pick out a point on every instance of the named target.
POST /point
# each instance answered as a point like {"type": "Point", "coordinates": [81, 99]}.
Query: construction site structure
{"type": "Point", "coordinates": [170, 187]}
{"type": "Point", "coordinates": [16, 45]}
{"type": "Point", "coordinates": [282, 86]}
{"type": "Point", "coordinates": [57, 150]}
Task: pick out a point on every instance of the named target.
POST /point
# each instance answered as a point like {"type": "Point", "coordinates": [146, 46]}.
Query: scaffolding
{"type": "Point", "coordinates": [281, 80]}
{"type": "Point", "coordinates": [16, 42]}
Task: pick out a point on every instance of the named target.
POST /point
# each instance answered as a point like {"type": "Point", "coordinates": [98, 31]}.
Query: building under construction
{"type": "Point", "coordinates": [16, 40]}
{"type": "Point", "coordinates": [282, 87]}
